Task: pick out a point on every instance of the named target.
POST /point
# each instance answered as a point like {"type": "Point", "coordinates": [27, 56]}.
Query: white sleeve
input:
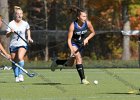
{"type": "Point", "coordinates": [8, 28]}
{"type": "Point", "coordinates": [27, 26]}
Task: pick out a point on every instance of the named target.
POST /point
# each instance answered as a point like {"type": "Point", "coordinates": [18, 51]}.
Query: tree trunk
{"type": "Point", "coordinates": [4, 12]}
{"type": "Point", "coordinates": [126, 27]}
{"type": "Point", "coordinates": [81, 3]}
{"type": "Point", "coordinates": [52, 16]}
{"type": "Point", "coordinates": [46, 49]}
{"type": "Point", "coordinates": [126, 50]}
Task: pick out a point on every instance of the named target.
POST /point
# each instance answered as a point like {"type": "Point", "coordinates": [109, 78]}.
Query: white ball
{"type": "Point", "coordinates": [95, 82]}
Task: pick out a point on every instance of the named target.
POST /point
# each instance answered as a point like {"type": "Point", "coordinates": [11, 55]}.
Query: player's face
{"type": "Point", "coordinates": [82, 17]}
{"type": "Point", "coordinates": [19, 15]}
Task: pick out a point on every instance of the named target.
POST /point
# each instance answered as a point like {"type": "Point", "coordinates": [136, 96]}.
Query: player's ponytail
{"type": "Point", "coordinates": [76, 10]}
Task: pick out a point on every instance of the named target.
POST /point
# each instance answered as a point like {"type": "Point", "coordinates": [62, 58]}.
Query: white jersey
{"type": "Point", "coordinates": [15, 40]}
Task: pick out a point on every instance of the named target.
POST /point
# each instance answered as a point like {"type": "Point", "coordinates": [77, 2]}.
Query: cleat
{"type": "Point", "coordinates": [54, 65]}
{"type": "Point", "coordinates": [21, 78]}
{"type": "Point", "coordinates": [84, 81]}
{"type": "Point", "coordinates": [17, 79]}
{"type": "Point", "coordinates": [133, 92]}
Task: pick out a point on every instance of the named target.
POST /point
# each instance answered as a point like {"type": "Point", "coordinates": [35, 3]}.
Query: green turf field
{"type": "Point", "coordinates": [65, 85]}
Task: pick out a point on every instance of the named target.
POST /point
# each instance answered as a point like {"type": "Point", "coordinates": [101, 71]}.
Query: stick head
{"type": "Point", "coordinates": [31, 75]}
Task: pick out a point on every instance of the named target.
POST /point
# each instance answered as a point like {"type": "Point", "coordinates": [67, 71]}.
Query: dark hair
{"type": "Point", "coordinates": [76, 10]}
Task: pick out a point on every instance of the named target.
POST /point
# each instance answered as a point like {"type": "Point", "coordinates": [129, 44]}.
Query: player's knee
{"type": "Point", "coordinates": [20, 58]}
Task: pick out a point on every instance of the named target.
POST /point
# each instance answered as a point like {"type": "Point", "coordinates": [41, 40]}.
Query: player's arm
{"type": "Point", "coordinates": [29, 36]}
{"type": "Point", "coordinates": [70, 34]}
{"type": "Point", "coordinates": [8, 34]}
{"type": "Point", "coordinates": [9, 31]}
{"type": "Point", "coordinates": [92, 32]}
{"type": "Point", "coordinates": [3, 51]}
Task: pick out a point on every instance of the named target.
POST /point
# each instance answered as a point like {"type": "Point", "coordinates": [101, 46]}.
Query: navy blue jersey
{"type": "Point", "coordinates": [79, 33]}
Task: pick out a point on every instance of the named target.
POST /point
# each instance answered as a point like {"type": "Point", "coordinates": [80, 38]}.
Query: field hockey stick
{"type": "Point", "coordinates": [81, 46]}
{"type": "Point", "coordinates": [25, 71]}
{"type": "Point", "coordinates": [14, 31]}
{"type": "Point", "coordinates": [70, 59]}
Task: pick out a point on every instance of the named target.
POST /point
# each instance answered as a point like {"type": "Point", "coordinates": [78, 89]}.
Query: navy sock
{"type": "Point", "coordinates": [80, 70]}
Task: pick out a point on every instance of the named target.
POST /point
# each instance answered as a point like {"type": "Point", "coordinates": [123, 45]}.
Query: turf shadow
{"type": "Point", "coordinates": [46, 83]}
{"type": "Point", "coordinates": [49, 84]}
{"type": "Point", "coordinates": [121, 93]}
{"type": "Point", "coordinates": [3, 82]}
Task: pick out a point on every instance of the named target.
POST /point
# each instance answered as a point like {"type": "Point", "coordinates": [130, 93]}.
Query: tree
{"type": "Point", "coordinates": [46, 49]}
{"type": "Point", "coordinates": [126, 27]}
{"type": "Point", "coordinates": [4, 13]}
{"type": "Point", "coordinates": [37, 13]}
{"type": "Point", "coordinates": [128, 5]}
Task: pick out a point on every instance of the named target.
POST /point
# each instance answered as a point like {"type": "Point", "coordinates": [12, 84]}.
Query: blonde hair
{"type": "Point", "coordinates": [17, 8]}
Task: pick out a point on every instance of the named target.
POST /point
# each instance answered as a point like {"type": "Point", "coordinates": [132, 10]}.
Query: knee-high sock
{"type": "Point", "coordinates": [21, 63]}
{"type": "Point", "coordinates": [80, 70]}
{"type": "Point", "coordinates": [16, 70]}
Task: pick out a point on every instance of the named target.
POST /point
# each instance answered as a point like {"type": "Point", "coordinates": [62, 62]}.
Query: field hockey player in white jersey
{"type": "Point", "coordinates": [17, 30]}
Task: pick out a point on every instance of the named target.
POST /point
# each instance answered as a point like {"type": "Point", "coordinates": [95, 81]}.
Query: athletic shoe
{"type": "Point", "coordinates": [137, 92]}
{"type": "Point", "coordinates": [53, 65]}
{"type": "Point", "coordinates": [21, 78]}
{"type": "Point", "coordinates": [17, 79]}
{"type": "Point", "coordinates": [84, 81]}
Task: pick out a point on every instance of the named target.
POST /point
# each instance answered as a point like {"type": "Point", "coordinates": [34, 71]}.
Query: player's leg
{"type": "Point", "coordinates": [21, 53]}
{"type": "Point", "coordinates": [65, 62]}
{"type": "Point", "coordinates": [80, 68]}
{"type": "Point", "coordinates": [61, 62]}
{"type": "Point", "coordinates": [54, 65]}
{"type": "Point", "coordinates": [15, 68]}
{"type": "Point", "coordinates": [57, 62]}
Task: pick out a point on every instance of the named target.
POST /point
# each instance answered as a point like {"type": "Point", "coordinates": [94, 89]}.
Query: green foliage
{"type": "Point", "coordinates": [134, 9]}
{"type": "Point", "coordinates": [134, 49]}
{"type": "Point", "coordinates": [104, 14]}
{"type": "Point", "coordinates": [93, 56]}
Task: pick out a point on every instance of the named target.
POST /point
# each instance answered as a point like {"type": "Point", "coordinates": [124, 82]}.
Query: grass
{"type": "Point", "coordinates": [89, 63]}
{"type": "Point", "coordinates": [65, 85]}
